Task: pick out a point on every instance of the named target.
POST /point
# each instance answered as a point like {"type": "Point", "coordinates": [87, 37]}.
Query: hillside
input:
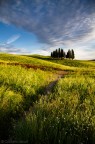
{"type": "Point", "coordinates": [32, 62]}
{"type": "Point", "coordinates": [43, 100]}
{"type": "Point", "coordinates": [66, 62]}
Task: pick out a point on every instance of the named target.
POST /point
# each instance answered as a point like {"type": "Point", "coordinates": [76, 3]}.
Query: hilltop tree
{"type": "Point", "coordinates": [62, 54]}
{"type": "Point", "coordinates": [69, 54]}
{"type": "Point", "coordinates": [51, 54]}
{"type": "Point", "coordinates": [59, 53]}
{"type": "Point", "coordinates": [56, 53]}
{"type": "Point", "coordinates": [73, 55]}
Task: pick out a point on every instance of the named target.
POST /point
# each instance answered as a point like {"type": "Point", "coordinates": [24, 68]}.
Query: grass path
{"type": "Point", "coordinates": [49, 88]}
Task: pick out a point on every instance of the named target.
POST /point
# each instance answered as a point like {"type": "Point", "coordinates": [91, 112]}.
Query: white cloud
{"type": "Point", "coordinates": [84, 54]}
{"type": "Point", "coordinates": [56, 23]}
{"type": "Point", "coordinates": [41, 52]}
{"type": "Point", "coordinates": [12, 39]}
{"type": "Point", "coordinates": [7, 46]}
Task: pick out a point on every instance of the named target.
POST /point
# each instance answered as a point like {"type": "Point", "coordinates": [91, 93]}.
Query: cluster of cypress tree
{"type": "Point", "coordinates": [60, 53]}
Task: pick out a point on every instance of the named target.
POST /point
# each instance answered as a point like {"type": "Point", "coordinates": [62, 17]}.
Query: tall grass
{"type": "Point", "coordinates": [10, 106]}
{"type": "Point", "coordinates": [19, 88]}
{"type": "Point", "coordinates": [67, 116]}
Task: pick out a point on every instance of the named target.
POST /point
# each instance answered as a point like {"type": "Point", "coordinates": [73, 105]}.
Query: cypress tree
{"type": "Point", "coordinates": [56, 53]}
{"type": "Point", "coordinates": [73, 55]}
{"type": "Point", "coordinates": [69, 54]}
{"type": "Point", "coordinates": [51, 54]}
{"type": "Point", "coordinates": [59, 53]}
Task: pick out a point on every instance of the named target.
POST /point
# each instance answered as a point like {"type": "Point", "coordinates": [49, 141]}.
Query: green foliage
{"type": "Point", "coordinates": [73, 54]}
{"type": "Point", "coordinates": [58, 53]}
{"type": "Point", "coordinates": [70, 54]}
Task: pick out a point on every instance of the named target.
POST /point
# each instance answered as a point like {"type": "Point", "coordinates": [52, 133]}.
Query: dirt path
{"type": "Point", "coordinates": [49, 88]}
{"type": "Point", "coordinates": [28, 66]}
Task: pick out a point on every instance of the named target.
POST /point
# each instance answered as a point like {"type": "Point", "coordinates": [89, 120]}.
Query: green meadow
{"type": "Point", "coordinates": [28, 113]}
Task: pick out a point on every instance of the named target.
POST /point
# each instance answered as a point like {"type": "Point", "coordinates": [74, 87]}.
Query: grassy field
{"type": "Point", "coordinates": [68, 116]}
{"type": "Point", "coordinates": [27, 114]}
{"type": "Point", "coordinates": [19, 88]}
{"type": "Point", "coordinates": [33, 62]}
{"type": "Point", "coordinates": [75, 63]}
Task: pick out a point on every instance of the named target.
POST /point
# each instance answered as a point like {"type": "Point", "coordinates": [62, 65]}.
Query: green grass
{"type": "Point", "coordinates": [19, 88]}
{"type": "Point", "coordinates": [10, 107]}
{"type": "Point", "coordinates": [67, 62]}
{"type": "Point", "coordinates": [26, 82]}
{"type": "Point", "coordinates": [68, 116]}
{"type": "Point", "coordinates": [9, 58]}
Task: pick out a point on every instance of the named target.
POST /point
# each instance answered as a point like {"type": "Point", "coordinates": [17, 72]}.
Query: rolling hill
{"type": "Point", "coordinates": [44, 100]}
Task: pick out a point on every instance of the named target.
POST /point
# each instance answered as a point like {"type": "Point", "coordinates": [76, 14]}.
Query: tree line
{"type": "Point", "coordinates": [60, 53]}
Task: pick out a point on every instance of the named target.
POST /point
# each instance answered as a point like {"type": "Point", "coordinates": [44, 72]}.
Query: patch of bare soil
{"type": "Point", "coordinates": [28, 66]}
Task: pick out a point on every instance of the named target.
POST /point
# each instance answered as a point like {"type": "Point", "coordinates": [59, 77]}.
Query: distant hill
{"type": "Point", "coordinates": [66, 62]}
{"type": "Point", "coordinates": [40, 62]}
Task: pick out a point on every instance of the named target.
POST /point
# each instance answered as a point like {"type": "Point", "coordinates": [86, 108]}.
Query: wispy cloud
{"type": "Point", "coordinates": [12, 39]}
{"type": "Point", "coordinates": [8, 47]}
{"type": "Point", "coordinates": [54, 22]}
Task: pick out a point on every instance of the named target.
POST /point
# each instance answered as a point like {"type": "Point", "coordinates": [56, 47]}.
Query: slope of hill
{"type": "Point", "coordinates": [46, 101]}
{"type": "Point", "coordinates": [66, 62]}
{"type": "Point", "coordinates": [30, 61]}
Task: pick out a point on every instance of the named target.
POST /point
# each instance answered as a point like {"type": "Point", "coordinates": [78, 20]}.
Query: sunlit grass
{"type": "Point", "coordinates": [67, 116]}
{"type": "Point", "coordinates": [67, 62]}
{"type": "Point", "coordinates": [19, 89]}
{"type": "Point", "coordinates": [9, 58]}
{"type": "Point", "coordinates": [26, 82]}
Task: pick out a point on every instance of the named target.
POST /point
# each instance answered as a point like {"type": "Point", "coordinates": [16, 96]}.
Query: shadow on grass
{"type": "Point", "coordinates": [8, 116]}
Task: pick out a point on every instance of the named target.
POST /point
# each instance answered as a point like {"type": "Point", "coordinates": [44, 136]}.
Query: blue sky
{"type": "Point", "coordinates": [41, 26]}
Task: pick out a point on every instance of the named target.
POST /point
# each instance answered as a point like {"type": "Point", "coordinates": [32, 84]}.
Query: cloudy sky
{"type": "Point", "coordinates": [40, 26]}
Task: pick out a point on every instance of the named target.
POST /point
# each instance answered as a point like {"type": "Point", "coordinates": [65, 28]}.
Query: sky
{"type": "Point", "coordinates": [41, 26]}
